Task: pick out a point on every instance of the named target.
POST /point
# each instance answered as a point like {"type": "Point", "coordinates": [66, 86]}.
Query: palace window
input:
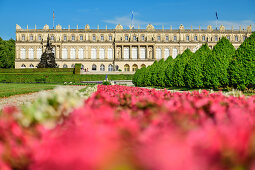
{"type": "Point", "coordinates": [110, 67]}
{"type": "Point", "coordinates": [93, 53]}
{"type": "Point", "coordinates": [72, 53]}
{"type": "Point", "coordinates": [31, 37]}
{"type": "Point", "coordinates": [64, 66]}
{"type": "Point", "coordinates": [31, 66]}
{"type": "Point", "coordinates": [126, 53]}
{"type": "Point", "coordinates": [143, 65]}
{"type": "Point", "coordinates": [216, 38]}
{"type": "Point", "coordinates": [244, 38]}
{"type": "Point", "coordinates": [175, 53]}
{"type": "Point", "coordinates": [23, 53]}
{"type": "Point", "coordinates": [23, 37]}
{"type": "Point", "coordinates": [102, 67]}
{"type": "Point", "coordinates": [102, 38]}
{"type": "Point", "coordinates": [167, 38]}
{"type": "Point", "coordinates": [134, 38]}
{"type": "Point", "coordinates": [203, 38]}
{"type": "Point", "coordinates": [134, 68]}
{"type": "Point", "coordinates": [81, 37]}
{"type": "Point", "coordinates": [167, 53]}
{"type": "Point", "coordinates": [94, 38]}
{"type": "Point", "coordinates": [110, 53]}
{"type": "Point", "coordinates": [23, 66]}
{"type": "Point", "coordinates": [236, 38]}
{"type": "Point", "coordinates": [101, 53]}
{"type": "Point", "coordinates": [126, 68]}
{"type": "Point", "coordinates": [158, 53]}
{"type": "Point", "coordinates": [142, 53]}
{"type": "Point", "coordinates": [73, 37]}
{"type": "Point", "coordinates": [175, 38]}
{"type": "Point", "coordinates": [126, 38]}
{"type": "Point", "coordinates": [158, 38]}
{"type": "Point", "coordinates": [228, 37]}
{"type": "Point", "coordinates": [94, 67]}
{"type": "Point", "coordinates": [72, 66]}
{"type": "Point", "coordinates": [39, 38]}
{"type": "Point", "coordinates": [52, 38]}
{"type": "Point", "coordinates": [65, 38]}
{"type": "Point", "coordinates": [187, 38]}
{"type": "Point", "coordinates": [110, 38]}
{"type": "Point", "coordinates": [31, 53]}
{"type": "Point", "coordinates": [81, 53]}
{"type": "Point", "coordinates": [134, 53]}
{"type": "Point", "coordinates": [195, 38]}
{"type": "Point", "coordinates": [64, 53]}
{"type": "Point", "coordinates": [39, 53]}
{"type": "Point", "coordinates": [143, 38]}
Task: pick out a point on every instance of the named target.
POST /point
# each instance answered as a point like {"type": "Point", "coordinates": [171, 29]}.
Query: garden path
{"type": "Point", "coordinates": [21, 99]}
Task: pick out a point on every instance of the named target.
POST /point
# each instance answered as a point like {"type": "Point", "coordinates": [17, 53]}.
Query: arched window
{"type": "Point", "coordinates": [134, 53]}
{"type": "Point", "coordinates": [143, 65]}
{"type": "Point", "coordinates": [72, 66]}
{"type": "Point", "coordinates": [142, 53]}
{"type": "Point", "coordinates": [65, 66]}
{"type": "Point", "coordinates": [72, 53]}
{"type": "Point", "coordinates": [101, 53]}
{"type": "Point", "coordinates": [81, 53]}
{"type": "Point", "coordinates": [175, 52]}
{"type": "Point", "coordinates": [93, 53]}
{"type": "Point", "coordinates": [23, 66]}
{"type": "Point", "coordinates": [134, 68]}
{"type": "Point", "coordinates": [110, 53]}
{"type": "Point", "coordinates": [158, 54]}
{"type": "Point", "coordinates": [126, 68]}
{"type": "Point", "coordinates": [110, 67]}
{"type": "Point", "coordinates": [94, 67]}
{"type": "Point", "coordinates": [236, 38]}
{"type": "Point", "coordinates": [117, 67]}
{"type": "Point", "coordinates": [31, 66]}
{"type": "Point", "coordinates": [64, 54]}
{"type": "Point", "coordinates": [102, 67]}
{"type": "Point", "coordinates": [167, 53]}
{"type": "Point", "coordinates": [23, 53]}
{"type": "Point", "coordinates": [31, 53]}
{"type": "Point", "coordinates": [126, 53]}
{"type": "Point", "coordinates": [39, 53]}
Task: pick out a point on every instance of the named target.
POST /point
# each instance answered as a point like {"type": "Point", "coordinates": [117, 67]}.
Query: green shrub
{"type": "Point", "coordinates": [77, 68]}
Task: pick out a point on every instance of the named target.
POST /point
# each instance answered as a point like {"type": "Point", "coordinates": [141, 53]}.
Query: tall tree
{"type": "Point", "coordinates": [242, 67]}
{"type": "Point", "coordinates": [194, 74]}
{"type": "Point", "coordinates": [7, 53]}
{"type": "Point", "coordinates": [179, 68]}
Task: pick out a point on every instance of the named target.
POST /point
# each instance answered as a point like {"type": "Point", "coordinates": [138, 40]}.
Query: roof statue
{"type": "Point", "coordinates": [150, 27]}
{"type": "Point", "coordinates": [119, 27]}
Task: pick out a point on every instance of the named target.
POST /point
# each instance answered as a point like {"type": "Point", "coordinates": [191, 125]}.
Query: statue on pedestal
{"type": "Point", "coordinates": [47, 58]}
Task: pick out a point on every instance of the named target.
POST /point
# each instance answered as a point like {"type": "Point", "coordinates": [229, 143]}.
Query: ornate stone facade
{"type": "Point", "coordinates": [128, 49]}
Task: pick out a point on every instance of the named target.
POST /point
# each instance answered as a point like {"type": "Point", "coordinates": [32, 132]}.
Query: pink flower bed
{"type": "Point", "coordinates": [131, 128]}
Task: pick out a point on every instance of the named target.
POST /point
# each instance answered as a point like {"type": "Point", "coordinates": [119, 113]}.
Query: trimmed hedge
{"type": "Point", "coordinates": [58, 78]}
{"type": "Point", "coordinates": [36, 70]}
{"type": "Point", "coordinates": [77, 68]}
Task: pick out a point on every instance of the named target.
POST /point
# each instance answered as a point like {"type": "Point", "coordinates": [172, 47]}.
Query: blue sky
{"type": "Point", "coordinates": [110, 13]}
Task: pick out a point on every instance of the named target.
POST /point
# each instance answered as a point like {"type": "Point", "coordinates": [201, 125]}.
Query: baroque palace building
{"type": "Point", "coordinates": [125, 49]}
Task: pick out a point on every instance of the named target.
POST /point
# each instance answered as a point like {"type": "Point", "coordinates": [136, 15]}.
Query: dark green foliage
{"type": "Point", "coordinates": [216, 66]}
{"type": "Point", "coordinates": [37, 71]}
{"type": "Point", "coordinates": [179, 68]}
{"type": "Point", "coordinates": [58, 78]}
{"type": "Point", "coordinates": [7, 53]}
{"type": "Point", "coordinates": [194, 74]}
{"type": "Point", "coordinates": [242, 67]}
{"type": "Point", "coordinates": [169, 71]}
{"type": "Point", "coordinates": [77, 68]}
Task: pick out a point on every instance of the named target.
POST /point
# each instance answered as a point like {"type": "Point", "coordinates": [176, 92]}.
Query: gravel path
{"type": "Point", "coordinates": [21, 99]}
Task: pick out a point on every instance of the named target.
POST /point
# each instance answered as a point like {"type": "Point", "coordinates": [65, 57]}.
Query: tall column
{"type": "Point", "coordinates": [130, 52]}
{"type": "Point", "coordinates": [60, 52]}
{"type": "Point", "coordinates": [27, 52]}
{"type": "Point", "coordinates": [57, 52]}
{"type": "Point", "coordinates": [154, 52]}
{"type": "Point", "coordinates": [163, 53]}
{"type": "Point", "coordinates": [106, 53]}
{"type": "Point", "coordinates": [76, 53]}
{"type": "Point", "coordinates": [147, 53]}
{"type": "Point", "coordinates": [122, 52]}
{"type": "Point", "coordinates": [138, 52]}
{"type": "Point", "coordinates": [97, 52]}
{"type": "Point", "coordinates": [68, 53]}
{"type": "Point", "coordinates": [17, 53]}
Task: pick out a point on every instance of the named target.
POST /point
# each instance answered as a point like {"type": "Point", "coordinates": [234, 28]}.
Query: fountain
{"type": "Point", "coordinates": [47, 58]}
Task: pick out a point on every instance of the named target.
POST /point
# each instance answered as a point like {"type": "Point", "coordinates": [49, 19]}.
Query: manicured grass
{"type": "Point", "coordinates": [58, 78]}
{"type": "Point", "coordinates": [10, 89]}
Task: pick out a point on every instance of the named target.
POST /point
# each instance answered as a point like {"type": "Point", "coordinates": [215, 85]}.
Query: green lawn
{"type": "Point", "coordinates": [10, 89]}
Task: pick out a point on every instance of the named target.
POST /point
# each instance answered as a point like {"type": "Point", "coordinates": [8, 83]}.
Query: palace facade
{"type": "Point", "coordinates": [126, 49]}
